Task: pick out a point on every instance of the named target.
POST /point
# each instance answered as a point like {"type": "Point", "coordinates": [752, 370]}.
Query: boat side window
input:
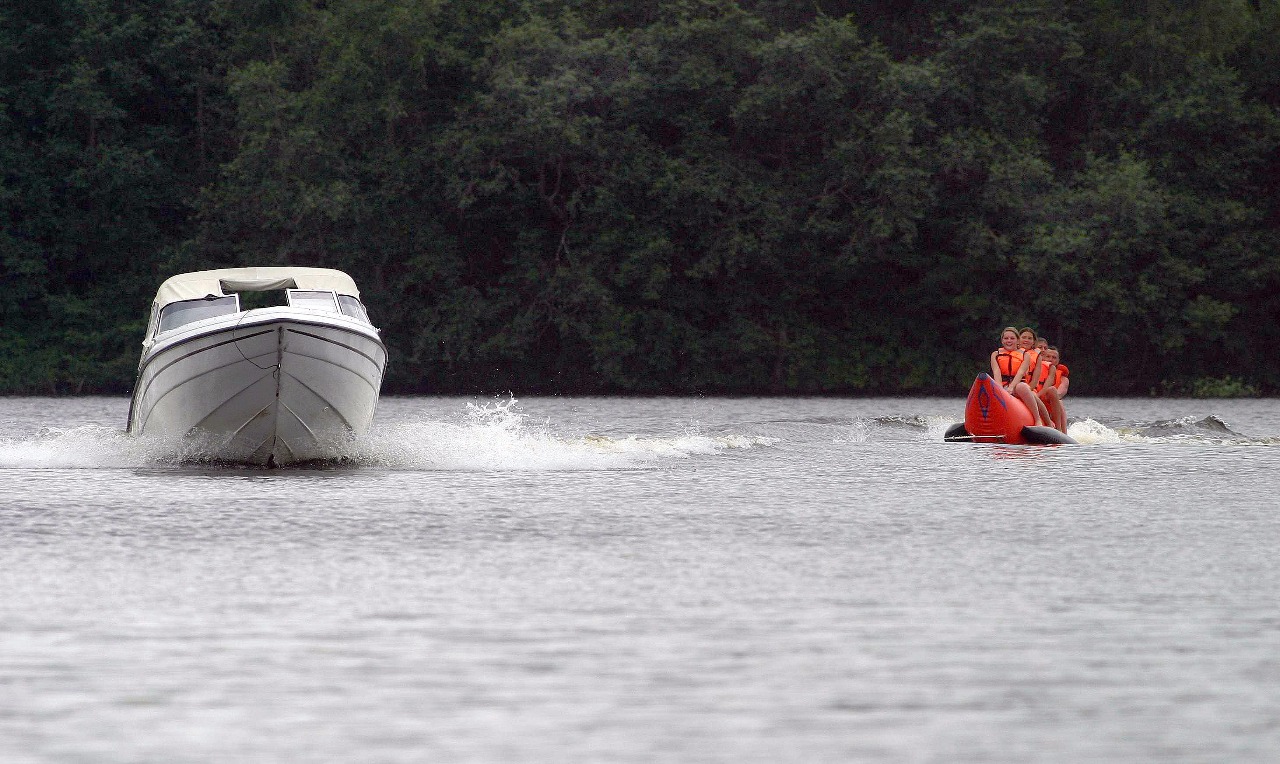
{"type": "Point", "coordinates": [353, 307]}
{"type": "Point", "coordinates": [313, 299]}
{"type": "Point", "coordinates": [180, 313]}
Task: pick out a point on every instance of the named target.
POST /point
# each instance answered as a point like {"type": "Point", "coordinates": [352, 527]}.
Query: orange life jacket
{"type": "Point", "coordinates": [1008, 361]}
{"type": "Point", "coordinates": [1045, 373]}
{"type": "Point", "coordinates": [1057, 373]}
{"type": "Point", "coordinates": [1031, 367]}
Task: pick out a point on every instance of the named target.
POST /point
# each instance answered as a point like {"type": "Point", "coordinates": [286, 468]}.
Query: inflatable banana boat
{"type": "Point", "coordinates": [993, 415]}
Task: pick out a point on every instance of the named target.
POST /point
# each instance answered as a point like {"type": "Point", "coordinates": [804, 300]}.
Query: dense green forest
{"type": "Point", "coordinates": [659, 196]}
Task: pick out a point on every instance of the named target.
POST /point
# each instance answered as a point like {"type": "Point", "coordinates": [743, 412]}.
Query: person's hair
{"type": "Point", "coordinates": [1054, 348]}
{"type": "Point", "coordinates": [1013, 329]}
{"type": "Point", "coordinates": [1045, 340]}
{"type": "Point", "coordinates": [1026, 329]}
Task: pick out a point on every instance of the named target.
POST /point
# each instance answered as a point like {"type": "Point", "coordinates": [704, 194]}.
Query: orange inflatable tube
{"type": "Point", "coordinates": [993, 415]}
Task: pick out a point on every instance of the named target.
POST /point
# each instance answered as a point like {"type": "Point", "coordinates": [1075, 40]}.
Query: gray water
{"type": "Point", "coordinates": [579, 579]}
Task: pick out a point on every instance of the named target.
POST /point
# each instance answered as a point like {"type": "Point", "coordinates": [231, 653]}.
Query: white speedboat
{"type": "Point", "coordinates": [289, 382]}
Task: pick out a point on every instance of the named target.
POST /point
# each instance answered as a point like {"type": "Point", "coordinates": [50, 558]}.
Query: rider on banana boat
{"type": "Point", "coordinates": [1027, 341]}
{"type": "Point", "coordinates": [1010, 365]}
{"type": "Point", "coordinates": [1053, 386]}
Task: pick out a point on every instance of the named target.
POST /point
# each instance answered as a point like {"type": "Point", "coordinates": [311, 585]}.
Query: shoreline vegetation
{"type": "Point", "coordinates": [664, 197]}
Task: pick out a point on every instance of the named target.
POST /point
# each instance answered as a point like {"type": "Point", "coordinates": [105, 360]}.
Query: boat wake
{"type": "Point", "coordinates": [90, 446]}
{"type": "Point", "coordinates": [1209, 430]}
{"type": "Point", "coordinates": [494, 436]}
{"type": "Point", "coordinates": [1210, 426]}
{"type": "Point", "coordinates": [499, 436]}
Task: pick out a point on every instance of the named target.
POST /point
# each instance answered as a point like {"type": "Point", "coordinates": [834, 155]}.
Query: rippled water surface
{"type": "Point", "coordinates": [577, 579]}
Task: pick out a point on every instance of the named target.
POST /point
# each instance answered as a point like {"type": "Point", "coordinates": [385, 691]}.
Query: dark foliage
{"type": "Point", "coordinates": [663, 196]}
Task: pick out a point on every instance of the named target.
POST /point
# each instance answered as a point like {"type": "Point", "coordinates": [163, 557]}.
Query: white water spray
{"type": "Point", "coordinates": [490, 436]}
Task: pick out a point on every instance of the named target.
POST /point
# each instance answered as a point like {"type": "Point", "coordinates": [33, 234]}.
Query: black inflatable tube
{"type": "Point", "coordinates": [1036, 436]}
{"type": "Point", "coordinates": [1045, 436]}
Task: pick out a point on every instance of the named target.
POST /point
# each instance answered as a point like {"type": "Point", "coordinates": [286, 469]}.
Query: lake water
{"type": "Point", "coordinates": [638, 580]}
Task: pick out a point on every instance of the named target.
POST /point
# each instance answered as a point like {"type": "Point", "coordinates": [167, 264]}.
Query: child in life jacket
{"type": "Point", "coordinates": [1038, 369]}
{"type": "Point", "coordinates": [1029, 343]}
{"type": "Point", "coordinates": [1010, 364]}
{"type": "Point", "coordinates": [1052, 386]}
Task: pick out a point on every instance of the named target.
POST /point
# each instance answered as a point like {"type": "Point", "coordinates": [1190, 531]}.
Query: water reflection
{"type": "Point", "coordinates": [1021, 453]}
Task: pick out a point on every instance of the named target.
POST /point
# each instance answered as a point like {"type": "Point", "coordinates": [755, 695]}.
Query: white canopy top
{"type": "Point", "coordinates": [194, 286]}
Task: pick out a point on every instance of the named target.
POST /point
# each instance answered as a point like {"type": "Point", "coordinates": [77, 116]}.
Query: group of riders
{"type": "Point", "coordinates": [1031, 369]}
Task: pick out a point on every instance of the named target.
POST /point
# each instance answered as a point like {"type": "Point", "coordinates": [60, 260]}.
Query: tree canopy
{"type": "Point", "coordinates": [660, 196]}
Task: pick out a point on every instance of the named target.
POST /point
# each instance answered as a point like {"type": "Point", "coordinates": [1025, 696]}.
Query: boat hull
{"type": "Point", "coordinates": [272, 387]}
{"type": "Point", "coordinates": [993, 415]}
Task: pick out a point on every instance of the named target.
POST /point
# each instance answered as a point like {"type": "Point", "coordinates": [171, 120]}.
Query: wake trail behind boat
{"type": "Point", "coordinates": [87, 446]}
{"type": "Point", "coordinates": [495, 436]}
{"type": "Point", "coordinates": [1210, 430]}
{"type": "Point", "coordinates": [499, 436]}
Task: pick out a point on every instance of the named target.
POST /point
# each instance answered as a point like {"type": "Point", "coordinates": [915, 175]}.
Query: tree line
{"type": "Point", "coordinates": [659, 196]}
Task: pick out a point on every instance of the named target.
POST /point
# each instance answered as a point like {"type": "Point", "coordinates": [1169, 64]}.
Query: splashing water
{"type": "Point", "coordinates": [88, 446]}
{"type": "Point", "coordinates": [1090, 432]}
{"type": "Point", "coordinates": [1194, 430]}
{"type": "Point", "coordinates": [859, 431]}
{"type": "Point", "coordinates": [492, 436]}
{"type": "Point", "coordinates": [937, 426]}
{"type": "Point", "coordinates": [498, 436]}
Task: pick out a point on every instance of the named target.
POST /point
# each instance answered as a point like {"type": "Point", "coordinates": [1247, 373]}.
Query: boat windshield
{"type": "Point", "coordinates": [313, 299]}
{"type": "Point", "coordinates": [353, 307]}
{"type": "Point", "coordinates": [180, 313]}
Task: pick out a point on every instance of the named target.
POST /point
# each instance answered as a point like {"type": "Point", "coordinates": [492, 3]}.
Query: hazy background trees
{"type": "Point", "coordinates": [661, 196]}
